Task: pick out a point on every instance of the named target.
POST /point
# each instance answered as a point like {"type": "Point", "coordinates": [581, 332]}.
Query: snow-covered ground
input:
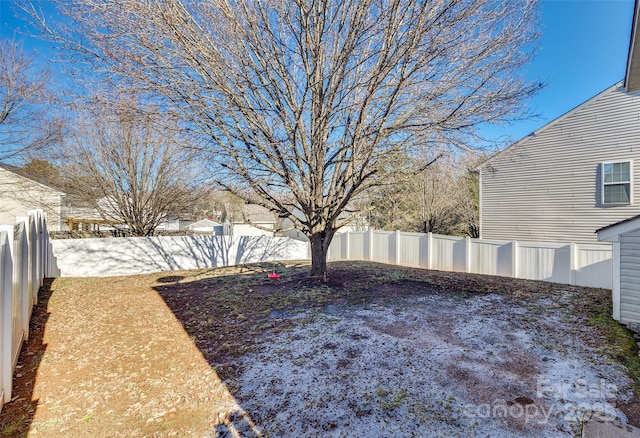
{"type": "Point", "coordinates": [486, 365]}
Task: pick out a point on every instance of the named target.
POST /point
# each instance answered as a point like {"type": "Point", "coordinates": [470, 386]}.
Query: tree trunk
{"type": "Point", "coordinates": [319, 249]}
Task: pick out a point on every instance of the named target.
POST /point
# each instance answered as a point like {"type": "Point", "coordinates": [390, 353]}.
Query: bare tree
{"type": "Point", "coordinates": [306, 103]}
{"type": "Point", "coordinates": [435, 194]}
{"type": "Point", "coordinates": [129, 167]}
{"type": "Point", "coordinates": [441, 197]}
{"type": "Point", "coordinates": [25, 124]}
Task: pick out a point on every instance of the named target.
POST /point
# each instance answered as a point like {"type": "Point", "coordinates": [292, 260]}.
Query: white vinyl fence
{"type": "Point", "coordinates": [576, 264]}
{"type": "Point", "coordinates": [25, 260]}
{"type": "Point", "coordinates": [142, 255]}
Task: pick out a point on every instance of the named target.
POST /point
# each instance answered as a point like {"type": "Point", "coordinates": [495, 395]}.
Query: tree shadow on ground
{"type": "Point", "coordinates": [228, 311]}
{"type": "Point", "coordinates": [225, 313]}
{"type": "Point", "coordinates": [18, 414]}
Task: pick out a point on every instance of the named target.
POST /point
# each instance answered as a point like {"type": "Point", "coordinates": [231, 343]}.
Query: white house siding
{"type": "Point", "coordinates": [547, 186]}
{"type": "Point", "coordinates": [240, 229]}
{"type": "Point", "coordinates": [630, 277]}
{"type": "Point", "coordinates": [19, 194]}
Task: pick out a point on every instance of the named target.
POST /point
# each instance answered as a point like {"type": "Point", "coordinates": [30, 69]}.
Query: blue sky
{"type": "Point", "coordinates": [583, 50]}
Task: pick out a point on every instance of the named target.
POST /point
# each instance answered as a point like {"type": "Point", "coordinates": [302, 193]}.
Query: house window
{"type": "Point", "coordinates": [616, 183]}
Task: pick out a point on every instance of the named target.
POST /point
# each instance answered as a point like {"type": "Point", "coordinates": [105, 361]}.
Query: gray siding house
{"type": "Point", "coordinates": [577, 174]}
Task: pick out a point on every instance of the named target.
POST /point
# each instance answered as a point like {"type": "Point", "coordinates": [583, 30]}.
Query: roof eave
{"type": "Point", "coordinates": [632, 74]}
{"type": "Point", "coordinates": [549, 125]}
{"type": "Point", "coordinates": [611, 233]}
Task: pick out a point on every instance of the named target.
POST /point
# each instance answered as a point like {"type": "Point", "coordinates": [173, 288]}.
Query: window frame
{"type": "Point", "coordinates": [603, 184]}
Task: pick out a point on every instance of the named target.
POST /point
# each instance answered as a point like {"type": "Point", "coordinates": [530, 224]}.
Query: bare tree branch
{"type": "Point", "coordinates": [25, 124]}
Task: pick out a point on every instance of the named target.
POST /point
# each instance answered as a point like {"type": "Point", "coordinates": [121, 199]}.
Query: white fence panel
{"type": "Point", "coordinates": [338, 247]}
{"type": "Point", "coordinates": [357, 247]}
{"type": "Point", "coordinates": [414, 249]}
{"type": "Point", "coordinates": [445, 255]}
{"type": "Point", "coordinates": [583, 265]}
{"type": "Point", "coordinates": [21, 303]}
{"type": "Point", "coordinates": [487, 257]}
{"type": "Point", "coordinates": [33, 282]}
{"type": "Point", "coordinates": [593, 266]}
{"type": "Point", "coordinates": [548, 262]}
{"type": "Point", "coordinates": [138, 255]}
{"type": "Point", "coordinates": [24, 252]}
{"type": "Point", "coordinates": [6, 320]}
{"type": "Point", "coordinates": [384, 247]}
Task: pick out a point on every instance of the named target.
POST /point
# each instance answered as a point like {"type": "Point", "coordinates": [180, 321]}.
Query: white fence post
{"type": "Point", "coordinates": [573, 262]}
{"type": "Point", "coordinates": [615, 280]}
{"type": "Point", "coordinates": [34, 216]}
{"type": "Point", "coordinates": [33, 254]}
{"type": "Point", "coordinates": [429, 250]}
{"type": "Point", "coordinates": [467, 254]}
{"type": "Point", "coordinates": [26, 245]}
{"type": "Point", "coordinates": [515, 260]}
{"type": "Point", "coordinates": [347, 243]}
{"type": "Point", "coordinates": [397, 238]}
{"type": "Point", "coordinates": [370, 244]}
{"type": "Point", "coordinates": [38, 217]}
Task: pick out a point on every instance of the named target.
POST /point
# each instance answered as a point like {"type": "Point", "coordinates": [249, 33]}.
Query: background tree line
{"type": "Point", "coordinates": [441, 198]}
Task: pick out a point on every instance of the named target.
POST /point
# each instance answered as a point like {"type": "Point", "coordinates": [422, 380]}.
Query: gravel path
{"type": "Point", "coordinates": [115, 362]}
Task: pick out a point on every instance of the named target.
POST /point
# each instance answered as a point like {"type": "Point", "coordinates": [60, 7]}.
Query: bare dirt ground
{"type": "Point", "coordinates": [376, 351]}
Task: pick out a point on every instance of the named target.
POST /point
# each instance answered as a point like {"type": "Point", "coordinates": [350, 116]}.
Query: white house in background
{"type": "Point", "coordinates": [205, 226]}
{"type": "Point", "coordinates": [249, 220]}
{"type": "Point", "coordinates": [625, 236]}
{"type": "Point", "coordinates": [353, 222]}
{"type": "Point", "coordinates": [20, 193]}
{"type": "Point", "coordinates": [173, 223]}
{"type": "Point", "coordinates": [579, 173]}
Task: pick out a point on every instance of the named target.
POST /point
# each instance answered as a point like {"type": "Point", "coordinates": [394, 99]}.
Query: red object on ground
{"type": "Point", "coordinates": [274, 275]}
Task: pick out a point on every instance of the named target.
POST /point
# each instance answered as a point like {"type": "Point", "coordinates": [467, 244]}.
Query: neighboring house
{"type": "Point", "coordinates": [569, 178]}
{"type": "Point", "coordinates": [625, 234]}
{"type": "Point", "coordinates": [357, 223]}
{"type": "Point", "coordinates": [20, 193]}
{"type": "Point", "coordinates": [353, 221]}
{"type": "Point", "coordinates": [85, 218]}
{"type": "Point", "coordinates": [174, 223]}
{"type": "Point", "coordinates": [205, 226]}
{"type": "Point", "coordinates": [578, 173]}
{"type": "Point", "coordinates": [249, 220]}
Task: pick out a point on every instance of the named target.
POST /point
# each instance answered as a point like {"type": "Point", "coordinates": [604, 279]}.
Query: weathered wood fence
{"type": "Point", "coordinates": [576, 264]}
{"type": "Point", "coordinates": [25, 260]}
